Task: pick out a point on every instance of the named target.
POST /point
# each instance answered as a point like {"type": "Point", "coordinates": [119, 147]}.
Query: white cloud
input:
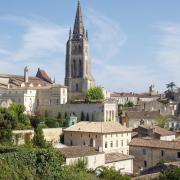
{"type": "Point", "coordinates": [168, 54]}
{"type": "Point", "coordinates": [40, 44]}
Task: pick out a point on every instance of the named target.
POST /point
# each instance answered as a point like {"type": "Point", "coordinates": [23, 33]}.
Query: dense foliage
{"type": "Point", "coordinates": [162, 121]}
{"type": "Point", "coordinates": [171, 174]}
{"type": "Point", "coordinates": [95, 94]}
{"type": "Point", "coordinates": [43, 164]}
{"type": "Point", "coordinates": [12, 118]}
{"type": "Point", "coordinates": [106, 173]}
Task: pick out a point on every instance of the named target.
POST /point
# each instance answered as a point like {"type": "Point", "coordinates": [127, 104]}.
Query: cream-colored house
{"type": "Point", "coordinates": [149, 152]}
{"type": "Point", "coordinates": [104, 136]}
{"type": "Point", "coordinates": [94, 158]}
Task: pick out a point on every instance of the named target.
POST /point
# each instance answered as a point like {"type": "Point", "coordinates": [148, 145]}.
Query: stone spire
{"type": "Point", "coordinates": [78, 24]}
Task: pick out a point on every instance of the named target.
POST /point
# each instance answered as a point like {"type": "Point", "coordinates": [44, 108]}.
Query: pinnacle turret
{"type": "Point", "coordinates": [78, 30]}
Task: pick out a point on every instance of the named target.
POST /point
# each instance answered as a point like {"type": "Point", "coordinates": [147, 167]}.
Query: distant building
{"type": "Point", "coordinates": [137, 118]}
{"type": "Point", "coordinates": [33, 91]}
{"type": "Point", "coordinates": [155, 132]}
{"type": "Point", "coordinates": [148, 152]}
{"type": "Point", "coordinates": [123, 98]}
{"type": "Point", "coordinates": [97, 111]}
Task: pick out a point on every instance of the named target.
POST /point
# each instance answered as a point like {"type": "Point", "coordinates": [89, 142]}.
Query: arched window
{"type": "Point", "coordinates": [80, 68]}
{"type": "Point", "coordinates": [77, 87]}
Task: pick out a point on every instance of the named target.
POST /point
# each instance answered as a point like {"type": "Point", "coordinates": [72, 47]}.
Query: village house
{"type": "Point", "coordinates": [33, 91]}
{"type": "Point", "coordinates": [149, 152]}
{"type": "Point", "coordinates": [133, 119]}
{"type": "Point", "coordinates": [94, 158]}
{"type": "Point", "coordinates": [155, 132]}
{"type": "Point", "coordinates": [104, 136]}
{"type": "Point", "coordinates": [123, 98]}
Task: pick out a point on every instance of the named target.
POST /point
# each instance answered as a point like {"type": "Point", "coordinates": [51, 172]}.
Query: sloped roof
{"type": "Point", "coordinates": [154, 143]}
{"type": "Point", "coordinates": [78, 151]}
{"type": "Point", "coordinates": [115, 156]}
{"type": "Point", "coordinates": [142, 114]}
{"type": "Point", "coordinates": [98, 127]}
{"type": "Point", "coordinates": [43, 75]}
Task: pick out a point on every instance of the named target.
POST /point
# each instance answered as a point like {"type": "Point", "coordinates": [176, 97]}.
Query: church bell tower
{"type": "Point", "coordinates": [78, 75]}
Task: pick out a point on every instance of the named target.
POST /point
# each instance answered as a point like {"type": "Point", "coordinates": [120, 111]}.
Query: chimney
{"type": "Point", "coordinates": [26, 76]}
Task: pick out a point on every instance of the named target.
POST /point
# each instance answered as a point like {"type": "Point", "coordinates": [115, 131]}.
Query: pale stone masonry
{"type": "Point", "coordinates": [104, 136]}
{"type": "Point", "coordinates": [148, 152]}
{"type": "Point", "coordinates": [78, 75]}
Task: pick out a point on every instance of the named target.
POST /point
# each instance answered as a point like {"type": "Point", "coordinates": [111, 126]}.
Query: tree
{"type": "Point", "coordinates": [170, 174]}
{"type": "Point", "coordinates": [95, 94]}
{"type": "Point", "coordinates": [51, 122]}
{"type": "Point", "coordinates": [162, 121]}
{"type": "Point", "coordinates": [106, 173]}
{"type": "Point", "coordinates": [170, 86]}
{"type": "Point", "coordinates": [128, 104]}
{"type": "Point", "coordinates": [38, 139]}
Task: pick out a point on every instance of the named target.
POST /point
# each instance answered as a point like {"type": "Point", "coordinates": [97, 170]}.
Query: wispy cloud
{"type": "Point", "coordinates": [40, 44]}
{"type": "Point", "coordinates": [168, 54]}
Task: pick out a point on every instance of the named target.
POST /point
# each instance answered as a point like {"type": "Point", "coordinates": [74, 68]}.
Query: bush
{"type": "Point", "coordinates": [95, 94]}
{"type": "Point", "coordinates": [171, 174]}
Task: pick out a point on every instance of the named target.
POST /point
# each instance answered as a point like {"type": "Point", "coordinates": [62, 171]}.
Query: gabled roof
{"type": "Point", "coordinates": [142, 114]}
{"type": "Point", "coordinates": [153, 143]}
{"type": "Point", "coordinates": [43, 75]}
{"type": "Point", "coordinates": [115, 157]}
{"type": "Point", "coordinates": [78, 151]}
{"type": "Point", "coordinates": [98, 127]}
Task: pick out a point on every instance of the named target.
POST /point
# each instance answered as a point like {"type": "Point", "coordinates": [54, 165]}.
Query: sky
{"type": "Point", "coordinates": [133, 43]}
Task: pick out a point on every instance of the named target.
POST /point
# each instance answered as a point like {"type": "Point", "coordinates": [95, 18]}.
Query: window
{"type": "Point", "coordinates": [71, 143]}
{"type": "Point", "coordinates": [96, 136]}
{"type": "Point", "coordinates": [121, 142]}
{"type": "Point", "coordinates": [127, 142]}
{"type": "Point", "coordinates": [145, 163]}
{"type": "Point", "coordinates": [77, 88]}
{"type": "Point", "coordinates": [111, 144]}
{"type": "Point", "coordinates": [162, 153]}
{"type": "Point", "coordinates": [178, 154]}
{"type": "Point", "coordinates": [84, 143]}
{"type": "Point", "coordinates": [144, 151]}
{"type": "Point", "coordinates": [105, 144]}
{"type": "Point", "coordinates": [71, 134]}
{"type": "Point", "coordinates": [117, 143]}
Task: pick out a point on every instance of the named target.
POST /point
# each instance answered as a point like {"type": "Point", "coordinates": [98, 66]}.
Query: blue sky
{"type": "Point", "coordinates": [133, 43]}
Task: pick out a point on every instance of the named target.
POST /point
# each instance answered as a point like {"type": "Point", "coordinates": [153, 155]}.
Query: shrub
{"type": "Point", "coordinates": [95, 94]}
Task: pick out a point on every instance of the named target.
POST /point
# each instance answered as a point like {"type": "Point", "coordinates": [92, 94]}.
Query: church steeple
{"type": "Point", "coordinates": [78, 30]}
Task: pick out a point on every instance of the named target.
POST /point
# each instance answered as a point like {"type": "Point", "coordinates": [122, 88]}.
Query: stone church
{"type": "Point", "coordinates": [78, 77]}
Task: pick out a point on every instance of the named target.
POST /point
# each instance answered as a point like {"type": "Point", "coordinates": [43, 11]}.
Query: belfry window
{"type": "Point", "coordinates": [77, 87]}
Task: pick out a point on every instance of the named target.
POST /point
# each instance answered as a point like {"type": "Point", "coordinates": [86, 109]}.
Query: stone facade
{"type": "Point", "coordinates": [104, 111]}
{"type": "Point", "coordinates": [78, 75]}
{"type": "Point", "coordinates": [105, 136]}
{"type": "Point", "coordinates": [148, 153]}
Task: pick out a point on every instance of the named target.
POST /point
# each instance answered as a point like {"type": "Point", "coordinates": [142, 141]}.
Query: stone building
{"type": "Point", "coordinates": [149, 152]}
{"type": "Point", "coordinates": [94, 158]}
{"type": "Point", "coordinates": [155, 132]}
{"type": "Point", "coordinates": [97, 111]}
{"type": "Point", "coordinates": [78, 77]}
{"type": "Point", "coordinates": [104, 136]}
{"type": "Point", "coordinates": [32, 92]}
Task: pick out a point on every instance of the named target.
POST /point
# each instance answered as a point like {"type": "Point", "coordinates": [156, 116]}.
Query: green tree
{"type": "Point", "coordinates": [171, 174]}
{"type": "Point", "coordinates": [162, 121]}
{"type": "Point", "coordinates": [170, 86]}
{"type": "Point", "coordinates": [106, 173]}
{"type": "Point", "coordinates": [51, 122]}
{"type": "Point", "coordinates": [128, 104]}
{"type": "Point", "coordinates": [95, 94]}
{"type": "Point", "coordinates": [38, 139]}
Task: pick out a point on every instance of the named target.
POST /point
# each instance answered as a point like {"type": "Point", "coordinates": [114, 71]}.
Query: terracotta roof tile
{"type": "Point", "coordinates": [114, 157]}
